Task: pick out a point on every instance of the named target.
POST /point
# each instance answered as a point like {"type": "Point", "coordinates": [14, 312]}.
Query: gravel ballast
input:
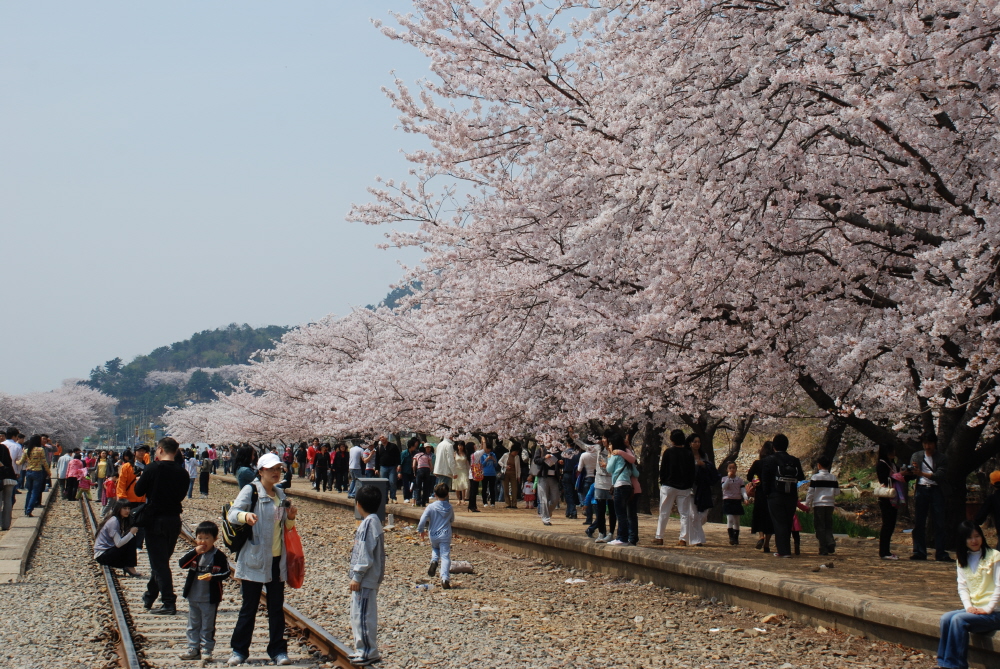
{"type": "Point", "coordinates": [520, 612]}
{"type": "Point", "coordinates": [56, 616]}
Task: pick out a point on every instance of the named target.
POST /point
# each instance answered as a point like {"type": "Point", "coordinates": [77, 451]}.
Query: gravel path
{"type": "Point", "coordinates": [54, 618]}
{"type": "Point", "coordinates": [519, 612]}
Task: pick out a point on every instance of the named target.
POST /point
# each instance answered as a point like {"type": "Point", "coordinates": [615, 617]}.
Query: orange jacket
{"type": "Point", "coordinates": [126, 484]}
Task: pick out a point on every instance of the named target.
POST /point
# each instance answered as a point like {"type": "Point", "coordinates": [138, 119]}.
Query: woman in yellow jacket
{"type": "Point", "coordinates": [35, 465]}
{"type": "Point", "coordinates": [979, 589]}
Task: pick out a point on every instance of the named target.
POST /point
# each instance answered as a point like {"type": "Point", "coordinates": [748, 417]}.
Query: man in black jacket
{"type": "Point", "coordinates": [780, 474]}
{"type": "Point", "coordinates": [164, 482]}
{"type": "Point", "coordinates": [677, 472]}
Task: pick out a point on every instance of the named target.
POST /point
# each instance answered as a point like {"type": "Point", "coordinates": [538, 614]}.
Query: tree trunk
{"type": "Point", "coordinates": [740, 432]}
{"type": "Point", "coordinates": [830, 443]}
{"type": "Point", "coordinates": [649, 466]}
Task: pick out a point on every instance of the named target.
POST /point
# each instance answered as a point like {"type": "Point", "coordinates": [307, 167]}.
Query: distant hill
{"type": "Point", "coordinates": [188, 370]}
{"type": "Point", "coordinates": [396, 295]}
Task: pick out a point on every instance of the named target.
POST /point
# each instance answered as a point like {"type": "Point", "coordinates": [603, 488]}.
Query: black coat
{"type": "Point", "coordinates": [677, 468]}
{"type": "Point", "coordinates": [220, 572]}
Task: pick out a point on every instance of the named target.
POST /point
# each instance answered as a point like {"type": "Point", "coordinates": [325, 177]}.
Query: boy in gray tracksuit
{"type": "Point", "coordinates": [367, 570]}
{"type": "Point", "coordinates": [439, 515]}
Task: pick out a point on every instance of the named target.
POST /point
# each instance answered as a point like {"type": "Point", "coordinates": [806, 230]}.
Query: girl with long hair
{"type": "Point", "coordinates": [115, 544]}
{"type": "Point", "coordinates": [979, 590]}
{"type": "Point", "coordinates": [35, 465]}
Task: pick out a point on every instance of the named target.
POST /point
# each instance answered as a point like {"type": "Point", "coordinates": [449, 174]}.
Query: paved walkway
{"type": "Point", "coordinates": [857, 567]}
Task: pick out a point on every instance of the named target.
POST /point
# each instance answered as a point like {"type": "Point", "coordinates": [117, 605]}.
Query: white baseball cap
{"type": "Point", "coordinates": [268, 460]}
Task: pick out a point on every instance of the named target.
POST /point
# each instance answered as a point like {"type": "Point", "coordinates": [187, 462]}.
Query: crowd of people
{"type": "Point", "coordinates": [597, 477]}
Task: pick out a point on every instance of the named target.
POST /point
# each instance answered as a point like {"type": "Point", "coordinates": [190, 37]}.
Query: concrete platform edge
{"type": "Point", "coordinates": [19, 541]}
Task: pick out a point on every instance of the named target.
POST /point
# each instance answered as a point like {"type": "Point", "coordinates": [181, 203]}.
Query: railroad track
{"type": "Point", "coordinates": [146, 641]}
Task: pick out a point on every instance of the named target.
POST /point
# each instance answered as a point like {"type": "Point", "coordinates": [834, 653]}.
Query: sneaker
{"type": "Point", "coordinates": [191, 655]}
{"type": "Point", "coordinates": [446, 585]}
{"type": "Point", "coordinates": [657, 542]}
{"type": "Point", "coordinates": [365, 661]}
{"type": "Point", "coordinates": [890, 557]}
{"type": "Point", "coordinates": [236, 659]}
{"type": "Point", "coordinates": [546, 522]}
{"type": "Point", "coordinates": [433, 568]}
{"type": "Point", "coordinates": [602, 539]}
{"type": "Point", "coordinates": [281, 659]}
{"type": "Point", "coordinates": [779, 555]}
{"type": "Point", "coordinates": [590, 532]}
{"type": "Point", "coordinates": [616, 542]}
{"type": "Point", "coordinates": [206, 657]}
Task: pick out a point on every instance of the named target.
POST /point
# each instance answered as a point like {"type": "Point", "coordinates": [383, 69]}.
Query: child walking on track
{"type": "Point", "coordinates": [367, 570]}
{"type": "Point", "coordinates": [207, 569]}
{"type": "Point", "coordinates": [439, 516]}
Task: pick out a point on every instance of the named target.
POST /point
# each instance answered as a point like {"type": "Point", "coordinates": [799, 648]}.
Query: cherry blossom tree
{"type": "Point", "coordinates": [68, 414]}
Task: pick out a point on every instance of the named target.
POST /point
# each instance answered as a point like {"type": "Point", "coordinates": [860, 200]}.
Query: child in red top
{"type": "Point", "coordinates": [110, 489]}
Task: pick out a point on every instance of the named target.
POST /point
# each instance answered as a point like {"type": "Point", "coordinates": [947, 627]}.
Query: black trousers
{"type": "Point", "coordinates": [161, 539]}
{"type": "Point", "coordinates": [889, 513]}
{"type": "Point", "coordinates": [606, 517]}
{"type": "Point", "coordinates": [424, 486]}
{"type": "Point", "coordinates": [119, 556]}
{"type": "Point", "coordinates": [407, 486]}
{"type": "Point", "coordinates": [322, 478]}
{"type": "Point", "coordinates": [243, 632]}
{"type": "Point", "coordinates": [782, 508]}
{"type": "Point", "coordinates": [203, 483]}
{"type": "Point", "coordinates": [489, 490]}
{"type": "Point", "coordinates": [341, 480]}
{"type": "Point", "coordinates": [72, 485]}
{"type": "Point", "coordinates": [473, 493]}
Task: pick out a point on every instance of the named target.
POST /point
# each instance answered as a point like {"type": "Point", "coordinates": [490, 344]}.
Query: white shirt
{"type": "Point", "coordinates": [588, 463]}
{"type": "Point", "coordinates": [191, 465]}
{"type": "Point", "coordinates": [927, 467]}
{"type": "Point", "coordinates": [62, 465]}
{"type": "Point", "coordinates": [15, 453]}
{"type": "Point", "coordinates": [444, 460]}
{"type": "Point", "coordinates": [355, 457]}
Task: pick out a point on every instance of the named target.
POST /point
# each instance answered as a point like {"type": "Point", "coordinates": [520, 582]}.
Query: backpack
{"type": "Point", "coordinates": [476, 469]}
{"type": "Point", "coordinates": [786, 481]}
{"type": "Point", "coordinates": [235, 536]}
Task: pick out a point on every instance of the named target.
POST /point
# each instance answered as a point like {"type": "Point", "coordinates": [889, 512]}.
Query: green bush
{"type": "Point", "coordinates": [841, 525]}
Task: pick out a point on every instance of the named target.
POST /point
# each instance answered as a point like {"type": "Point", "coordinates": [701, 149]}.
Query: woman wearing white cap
{"type": "Point", "coordinates": [261, 562]}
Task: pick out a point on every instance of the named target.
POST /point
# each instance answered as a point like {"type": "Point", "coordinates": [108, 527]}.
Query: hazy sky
{"type": "Point", "coordinates": [173, 167]}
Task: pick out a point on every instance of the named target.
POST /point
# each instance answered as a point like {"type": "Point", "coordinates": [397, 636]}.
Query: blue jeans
{"type": "Point", "coordinates": [953, 649]}
{"type": "Point", "coordinates": [626, 510]}
{"type": "Point", "coordinates": [190, 487]}
{"type": "Point", "coordinates": [35, 481]}
{"type": "Point", "coordinates": [929, 499]}
{"type": "Point", "coordinates": [390, 473]}
{"type": "Point", "coordinates": [355, 475]}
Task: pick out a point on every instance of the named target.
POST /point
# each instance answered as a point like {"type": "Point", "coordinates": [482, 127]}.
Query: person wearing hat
{"type": "Point", "coordinates": [262, 561]}
{"type": "Point", "coordinates": [992, 506]}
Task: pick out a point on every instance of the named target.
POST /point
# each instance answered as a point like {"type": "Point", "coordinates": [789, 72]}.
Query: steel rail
{"type": "Point", "coordinates": [301, 625]}
{"type": "Point", "coordinates": [127, 656]}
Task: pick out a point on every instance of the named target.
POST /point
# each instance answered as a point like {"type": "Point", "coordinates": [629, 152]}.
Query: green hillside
{"type": "Point", "coordinates": [138, 394]}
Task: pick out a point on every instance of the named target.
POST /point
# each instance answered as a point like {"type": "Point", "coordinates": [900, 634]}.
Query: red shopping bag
{"type": "Point", "coordinates": [295, 559]}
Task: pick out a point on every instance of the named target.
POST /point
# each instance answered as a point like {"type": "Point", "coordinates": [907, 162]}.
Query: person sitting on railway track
{"type": "Point", "coordinates": [367, 571]}
{"type": "Point", "coordinates": [115, 544]}
{"type": "Point", "coordinates": [207, 568]}
{"type": "Point", "coordinates": [261, 561]}
{"type": "Point", "coordinates": [166, 483]}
